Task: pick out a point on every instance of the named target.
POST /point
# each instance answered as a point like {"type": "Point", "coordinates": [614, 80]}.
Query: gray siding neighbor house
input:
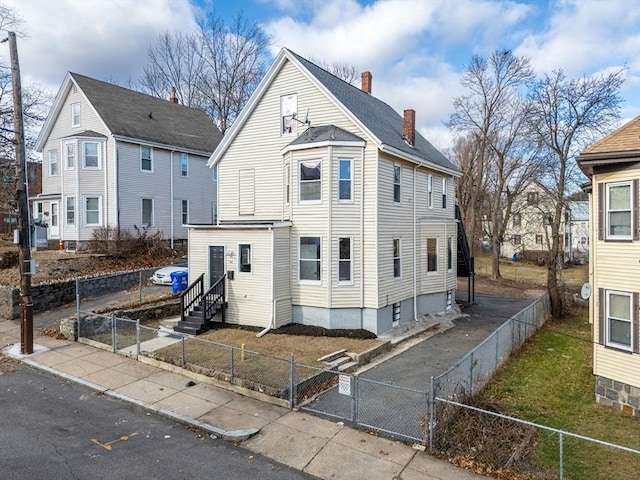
{"type": "Point", "coordinates": [116, 158]}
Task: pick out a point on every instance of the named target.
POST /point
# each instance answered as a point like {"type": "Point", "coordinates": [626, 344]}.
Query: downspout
{"type": "Point", "coordinates": [415, 250]}
{"type": "Point", "coordinates": [171, 193]}
{"type": "Point", "coordinates": [329, 262]}
{"type": "Point", "coordinates": [106, 186]}
{"type": "Point", "coordinates": [362, 157]}
{"type": "Point", "coordinates": [272, 302]}
{"type": "Point", "coordinates": [79, 201]}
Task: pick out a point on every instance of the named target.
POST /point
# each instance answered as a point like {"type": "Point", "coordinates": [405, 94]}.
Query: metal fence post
{"type": "Point", "coordinates": [113, 332]}
{"type": "Point", "coordinates": [561, 456]}
{"type": "Point", "coordinates": [78, 304]}
{"type": "Point", "coordinates": [355, 414]}
{"type": "Point", "coordinates": [137, 338]}
{"type": "Point", "coordinates": [140, 287]}
{"type": "Point", "coordinates": [432, 405]}
{"type": "Point", "coordinates": [292, 382]}
{"type": "Point", "coordinates": [471, 375]}
{"type": "Point", "coordinates": [231, 363]}
{"type": "Point", "coordinates": [182, 353]}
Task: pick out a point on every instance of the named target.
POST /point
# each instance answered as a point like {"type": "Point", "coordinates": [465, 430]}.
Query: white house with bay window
{"type": "Point", "coordinates": [613, 165]}
{"type": "Point", "coordinates": [332, 209]}
{"type": "Point", "coordinates": [117, 158]}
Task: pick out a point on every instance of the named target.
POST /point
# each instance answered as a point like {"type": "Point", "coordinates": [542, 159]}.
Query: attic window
{"type": "Point", "coordinates": [75, 114]}
{"type": "Point", "coordinates": [288, 110]}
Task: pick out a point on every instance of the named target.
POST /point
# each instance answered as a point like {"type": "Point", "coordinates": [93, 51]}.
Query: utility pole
{"type": "Point", "coordinates": [26, 302]}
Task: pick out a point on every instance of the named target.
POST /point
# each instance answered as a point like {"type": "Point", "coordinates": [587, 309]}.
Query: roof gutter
{"type": "Point", "coordinates": [418, 160]}
{"type": "Point", "coordinates": [180, 148]}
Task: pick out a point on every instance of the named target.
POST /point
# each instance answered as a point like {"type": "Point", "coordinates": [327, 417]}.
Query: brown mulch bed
{"type": "Point", "coordinates": [305, 330]}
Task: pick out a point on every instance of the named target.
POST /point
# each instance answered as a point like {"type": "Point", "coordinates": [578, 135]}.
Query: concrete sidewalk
{"type": "Point", "coordinates": [323, 448]}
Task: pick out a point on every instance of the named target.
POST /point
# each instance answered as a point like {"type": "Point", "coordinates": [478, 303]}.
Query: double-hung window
{"type": "Point", "coordinates": [185, 212]}
{"type": "Point", "coordinates": [147, 212]}
{"type": "Point", "coordinates": [517, 219]}
{"type": "Point", "coordinates": [345, 182]}
{"type": "Point", "coordinates": [309, 259]}
{"type": "Point", "coordinates": [75, 114]}
{"type": "Point", "coordinates": [619, 208]}
{"type": "Point", "coordinates": [70, 155]}
{"type": "Point", "coordinates": [449, 253]}
{"type": "Point", "coordinates": [432, 255]}
{"type": "Point", "coordinates": [430, 191]}
{"type": "Point", "coordinates": [91, 155]}
{"type": "Point", "coordinates": [310, 181]}
{"type": "Point", "coordinates": [70, 207]}
{"type": "Point", "coordinates": [288, 111]}
{"type": "Point", "coordinates": [146, 158]}
{"type": "Point", "coordinates": [344, 260]}
{"type": "Point", "coordinates": [184, 165]}
{"type": "Point", "coordinates": [92, 210]}
{"type": "Point", "coordinates": [397, 179]}
{"type": "Point", "coordinates": [244, 258]}
{"type": "Point", "coordinates": [52, 156]}
{"type": "Point", "coordinates": [619, 325]}
{"type": "Point", "coordinates": [397, 258]}
{"type": "Point", "coordinates": [444, 192]}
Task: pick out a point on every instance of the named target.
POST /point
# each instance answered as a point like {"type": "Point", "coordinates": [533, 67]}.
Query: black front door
{"type": "Point", "coordinates": [216, 263]}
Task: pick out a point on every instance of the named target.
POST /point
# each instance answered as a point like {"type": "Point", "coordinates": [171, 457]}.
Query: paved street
{"type": "Point", "coordinates": [53, 429]}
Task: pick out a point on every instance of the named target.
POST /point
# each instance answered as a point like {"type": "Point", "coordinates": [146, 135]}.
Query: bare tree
{"type": "Point", "coordinates": [234, 61]}
{"type": "Point", "coordinates": [495, 114]}
{"type": "Point", "coordinates": [566, 115]}
{"type": "Point", "coordinates": [175, 60]}
{"type": "Point", "coordinates": [343, 70]}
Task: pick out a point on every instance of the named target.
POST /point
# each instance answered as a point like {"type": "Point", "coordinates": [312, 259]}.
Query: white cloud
{"type": "Point", "coordinates": [101, 39]}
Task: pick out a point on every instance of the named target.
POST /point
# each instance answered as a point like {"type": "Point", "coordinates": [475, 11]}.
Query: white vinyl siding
{"type": "Point", "coordinates": [247, 191]}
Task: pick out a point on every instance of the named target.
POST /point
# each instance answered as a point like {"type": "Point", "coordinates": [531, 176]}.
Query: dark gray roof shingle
{"type": "Point", "coordinates": [142, 117]}
{"type": "Point", "coordinates": [325, 133]}
{"type": "Point", "coordinates": [382, 120]}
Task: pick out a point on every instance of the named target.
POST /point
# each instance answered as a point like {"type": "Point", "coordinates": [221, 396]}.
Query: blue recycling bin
{"type": "Point", "coordinates": [179, 282]}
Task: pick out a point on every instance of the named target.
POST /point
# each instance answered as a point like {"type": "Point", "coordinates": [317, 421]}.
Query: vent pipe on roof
{"type": "Point", "coordinates": [366, 82]}
{"type": "Point", "coordinates": [409, 126]}
{"type": "Point", "coordinates": [174, 98]}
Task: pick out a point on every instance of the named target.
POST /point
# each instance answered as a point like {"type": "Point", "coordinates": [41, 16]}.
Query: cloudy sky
{"type": "Point", "coordinates": [415, 49]}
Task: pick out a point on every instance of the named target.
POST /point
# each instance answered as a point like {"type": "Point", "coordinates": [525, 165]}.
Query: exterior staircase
{"type": "Point", "coordinates": [198, 307]}
{"type": "Point", "coordinates": [465, 261]}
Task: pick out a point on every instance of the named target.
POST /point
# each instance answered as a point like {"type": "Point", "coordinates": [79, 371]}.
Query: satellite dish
{"type": "Point", "coordinates": [585, 292]}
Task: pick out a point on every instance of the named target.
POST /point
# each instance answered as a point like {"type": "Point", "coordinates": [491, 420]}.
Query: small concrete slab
{"type": "Point", "coordinates": [257, 408]}
{"type": "Point", "coordinates": [105, 359]}
{"type": "Point", "coordinates": [76, 350]}
{"type": "Point", "coordinates": [427, 465]}
{"type": "Point", "coordinates": [384, 448]}
{"type": "Point", "coordinates": [146, 391]}
{"type": "Point", "coordinates": [211, 394]}
{"type": "Point", "coordinates": [226, 418]}
{"type": "Point", "coordinates": [307, 423]}
{"type": "Point", "coordinates": [50, 342]}
{"type": "Point", "coordinates": [151, 345]}
{"type": "Point", "coordinates": [338, 461]}
{"type": "Point", "coordinates": [135, 369]}
{"type": "Point", "coordinates": [51, 358]}
{"type": "Point", "coordinates": [109, 379]}
{"type": "Point", "coordinates": [170, 379]}
{"type": "Point", "coordinates": [186, 405]}
{"type": "Point", "coordinates": [286, 445]}
{"type": "Point", "coordinates": [78, 368]}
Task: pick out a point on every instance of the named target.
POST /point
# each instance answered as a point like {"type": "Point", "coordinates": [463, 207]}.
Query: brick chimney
{"type": "Point", "coordinates": [366, 82]}
{"type": "Point", "coordinates": [174, 98]}
{"type": "Point", "coordinates": [409, 126]}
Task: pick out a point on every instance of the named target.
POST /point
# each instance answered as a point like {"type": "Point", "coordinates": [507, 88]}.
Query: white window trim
{"type": "Point", "coordinates": [608, 236]}
{"type": "Point", "coordinates": [240, 272]}
{"type": "Point", "coordinates": [300, 182]}
{"type": "Point", "coordinates": [182, 212]}
{"type": "Point", "coordinates": [52, 157]}
{"type": "Point", "coordinates": [399, 183]}
{"type": "Point", "coordinates": [66, 156]}
{"type": "Point", "coordinates": [84, 211]}
{"type": "Point", "coordinates": [151, 155]}
{"type": "Point", "coordinates": [73, 114]}
{"type": "Point", "coordinates": [429, 191]}
{"type": "Point", "coordinates": [350, 179]}
{"type": "Point", "coordinates": [153, 212]}
{"type": "Point", "coordinates": [66, 210]}
{"type": "Point", "coordinates": [350, 281]}
{"type": "Point", "coordinates": [184, 155]}
{"type": "Point", "coordinates": [393, 271]}
{"type": "Point", "coordinates": [293, 98]}
{"type": "Point", "coordinates": [609, 343]}
{"type": "Point", "coordinates": [310, 282]}
{"type": "Point", "coordinates": [444, 193]}
{"type": "Point", "coordinates": [449, 257]}
{"type": "Point", "coordinates": [437, 270]}
{"type": "Point", "coordinates": [84, 158]}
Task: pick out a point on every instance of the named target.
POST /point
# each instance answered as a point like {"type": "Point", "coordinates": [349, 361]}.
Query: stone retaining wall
{"type": "Point", "coordinates": [618, 395]}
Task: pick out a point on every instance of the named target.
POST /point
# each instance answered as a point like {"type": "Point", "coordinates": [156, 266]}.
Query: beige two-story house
{"type": "Point", "coordinates": [613, 165]}
{"type": "Point", "coordinates": [116, 158]}
{"type": "Point", "coordinates": [332, 209]}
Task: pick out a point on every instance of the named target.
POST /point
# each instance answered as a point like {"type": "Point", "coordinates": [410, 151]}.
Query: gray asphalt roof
{"type": "Point", "coordinates": [325, 133]}
{"type": "Point", "coordinates": [142, 117]}
{"type": "Point", "coordinates": [382, 120]}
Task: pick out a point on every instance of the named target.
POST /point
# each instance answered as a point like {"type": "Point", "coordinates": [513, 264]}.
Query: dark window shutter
{"type": "Point", "coordinates": [601, 316]}
{"type": "Point", "coordinates": [635, 210]}
{"type": "Point", "coordinates": [601, 201]}
{"type": "Point", "coordinates": [635, 305]}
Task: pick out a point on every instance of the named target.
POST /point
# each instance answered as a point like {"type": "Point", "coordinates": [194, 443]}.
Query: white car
{"type": "Point", "coordinates": [163, 275]}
